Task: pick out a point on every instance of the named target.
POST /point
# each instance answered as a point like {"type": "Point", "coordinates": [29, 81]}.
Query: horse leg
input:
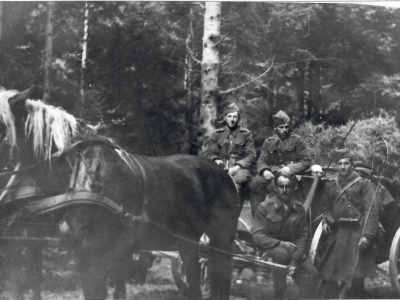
{"type": "Point", "coordinates": [93, 271]}
{"type": "Point", "coordinates": [190, 258]}
{"type": "Point", "coordinates": [34, 270]}
{"type": "Point", "coordinates": [221, 232]}
{"type": "Point", "coordinates": [14, 263]}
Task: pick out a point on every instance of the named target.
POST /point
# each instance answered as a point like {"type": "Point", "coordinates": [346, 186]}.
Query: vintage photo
{"type": "Point", "coordinates": [188, 150]}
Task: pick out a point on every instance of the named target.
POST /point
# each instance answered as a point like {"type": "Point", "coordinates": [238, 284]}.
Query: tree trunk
{"type": "Point", "coordinates": [317, 89]}
{"type": "Point", "coordinates": [48, 52]}
{"type": "Point", "coordinates": [300, 80]}
{"type": "Point", "coordinates": [270, 101]}
{"type": "Point", "coordinates": [83, 63]}
{"type": "Point", "coordinates": [210, 68]}
{"type": "Point", "coordinates": [191, 146]}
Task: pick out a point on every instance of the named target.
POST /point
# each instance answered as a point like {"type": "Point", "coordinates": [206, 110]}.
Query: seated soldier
{"type": "Point", "coordinates": [282, 154]}
{"type": "Point", "coordinates": [233, 147]}
{"type": "Point", "coordinates": [280, 231]}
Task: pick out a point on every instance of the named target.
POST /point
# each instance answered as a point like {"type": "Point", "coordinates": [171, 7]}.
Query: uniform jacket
{"type": "Point", "coordinates": [343, 261]}
{"type": "Point", "coordinates": [291, 152]}
{"type": "Point", "coordinates": [272, 224]}
{"type": "Point", "coordinates": [235, 146]}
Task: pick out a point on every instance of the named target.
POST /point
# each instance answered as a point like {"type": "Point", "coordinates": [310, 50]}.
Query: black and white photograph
{"type": "Point", "coordinates": [188, 150]}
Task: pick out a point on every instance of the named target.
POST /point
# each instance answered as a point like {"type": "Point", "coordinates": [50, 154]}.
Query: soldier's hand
{"type": "Point", "coordinates": [219, 161]}
{"type": "Point", "coordinates": [284, 171]}
{"type": "Point", "coordinates": [288, 246]}
{"type": "Point", "coordinates": [232, 171]}
{"type": "Point", "coordinates": [268, 175]}
{"type": "Point", "coordinates": [364, 244]}
{"type": "Point", "coordinates": [326, 228]}
{"type": "Point", "coordinates": [316, 169]}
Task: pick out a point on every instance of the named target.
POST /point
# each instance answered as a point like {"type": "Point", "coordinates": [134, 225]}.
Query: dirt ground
{"type": "Point", "coordinates": [61, 282]}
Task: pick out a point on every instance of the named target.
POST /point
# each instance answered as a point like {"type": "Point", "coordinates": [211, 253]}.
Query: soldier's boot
{"type": "Point", "coordinates": [258, 192]}
{"type": "Point", "coordinates": [357, 289]}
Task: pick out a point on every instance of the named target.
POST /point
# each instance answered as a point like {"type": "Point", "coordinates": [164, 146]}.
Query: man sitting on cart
{"type": "Point", "coordinates": [233, 147]}
{"type": "Point", "coordinates": [351, 217]}
{"type": "Point", "coordinates": [280, 231]}
{"type": "Point", "coordinates": [284, 153]}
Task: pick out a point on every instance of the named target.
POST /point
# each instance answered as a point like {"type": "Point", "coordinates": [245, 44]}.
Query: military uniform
{"type": "Point", "coordinates": [274, 223]}
{"type": "Point", "coordinates": [351, 215]}
{"type": "Point", "coordinates": [233, 147]}
{"type": "Point", "coordinates": [275, 154]}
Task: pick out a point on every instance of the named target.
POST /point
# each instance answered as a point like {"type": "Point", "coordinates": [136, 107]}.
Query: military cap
{"type": "Point", "coordinates": [341, 153]}
{"type": "Point", "coordinates": [230, 109]}
{"type": "Point", "coordinates": [280, 118]}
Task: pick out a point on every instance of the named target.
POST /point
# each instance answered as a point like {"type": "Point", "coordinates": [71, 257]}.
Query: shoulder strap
{"type": "Point", "coordinates": [341, 191]}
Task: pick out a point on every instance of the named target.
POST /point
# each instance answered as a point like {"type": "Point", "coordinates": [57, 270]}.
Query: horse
{"type": "Point", "coordinates": [109, 203]}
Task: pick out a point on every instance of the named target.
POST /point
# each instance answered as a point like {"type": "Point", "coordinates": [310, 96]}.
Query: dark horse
{"type": "Point", "coordinates": [110, 203]}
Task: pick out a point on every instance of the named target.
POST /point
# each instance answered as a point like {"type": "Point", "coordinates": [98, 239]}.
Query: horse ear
{"type": "Point", "coordinates": [22, 96]}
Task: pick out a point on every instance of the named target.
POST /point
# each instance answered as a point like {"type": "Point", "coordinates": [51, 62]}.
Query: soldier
{"type": "Point", "coordinates": [280, 231]}
{"type": "Point", "coordinates": [284, 153]}
{"type": "Point", "coordinates": [233, 147]}
{"type": "Point", "coordinates": [351, 218]}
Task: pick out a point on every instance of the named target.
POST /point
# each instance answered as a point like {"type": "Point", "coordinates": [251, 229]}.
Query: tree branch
{"type": "Point", "coordinates": [220, 41]}
{"type": "Point", "coordinates": [247, 83]}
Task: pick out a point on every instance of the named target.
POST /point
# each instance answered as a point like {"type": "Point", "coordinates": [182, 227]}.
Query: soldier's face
{"type": "Point", "coordinates": [344, 166]}
{"type": "Point", "coordinates": [283, 130]}
{"type": "Point", "coordinates": [284, 188]}
{"type": "Point", "coordinates": [232, 119]}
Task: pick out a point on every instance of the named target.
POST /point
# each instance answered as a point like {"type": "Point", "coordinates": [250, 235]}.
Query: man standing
{"type": "Point", "coordinates": [282, 154]}
{"type": "Point", "coordinates": [280, 231]}
{"type": "Point", "coordinates": [233, 147]}
{"type": "Point", "coordinates": [351, 217]}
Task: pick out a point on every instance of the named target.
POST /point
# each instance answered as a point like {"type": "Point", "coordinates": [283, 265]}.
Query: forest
{"type": "Point", "coordinates": [137, 71]}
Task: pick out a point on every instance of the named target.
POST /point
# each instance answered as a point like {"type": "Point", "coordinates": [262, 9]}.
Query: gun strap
{"type": "Point", "coordinates": [342, 190]}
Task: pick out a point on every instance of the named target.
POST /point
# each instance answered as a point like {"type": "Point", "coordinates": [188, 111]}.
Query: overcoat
{"type": "Point", "coordinates": [351, 215]}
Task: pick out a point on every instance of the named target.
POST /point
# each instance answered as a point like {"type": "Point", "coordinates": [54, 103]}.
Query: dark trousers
{"type": "Point", "coordinates": [305, 276]}
{"type": "Point", "coordinates": [258, 191]}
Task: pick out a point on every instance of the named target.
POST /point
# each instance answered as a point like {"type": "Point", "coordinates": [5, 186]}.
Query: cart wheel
{"type": "Point", "coordinates": [315, 243]}
{"type": "Point", "coordinates": [178, 273]}
{"type": "Point", "coordinates": [394, 262]}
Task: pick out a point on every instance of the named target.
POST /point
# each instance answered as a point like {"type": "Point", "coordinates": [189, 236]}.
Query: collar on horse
{"type": "Point", "coordinates": [73, 197]}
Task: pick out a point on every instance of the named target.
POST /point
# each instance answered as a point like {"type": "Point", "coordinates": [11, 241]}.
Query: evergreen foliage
{"type": "Point", "coordinates": [321, 63]}
{"type": "Point", "coordinates": [374, 141]}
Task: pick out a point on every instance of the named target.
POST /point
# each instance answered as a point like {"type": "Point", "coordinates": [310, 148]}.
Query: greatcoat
{"type": "Point", "coordinates": [352, 215]}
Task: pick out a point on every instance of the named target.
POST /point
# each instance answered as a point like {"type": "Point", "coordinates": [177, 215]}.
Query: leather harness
{"type": "Point", "coordinates": [73, 198]}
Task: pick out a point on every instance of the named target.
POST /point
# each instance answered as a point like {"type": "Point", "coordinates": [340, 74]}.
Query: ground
{"type": "Point", "coordinates": [62, 283]}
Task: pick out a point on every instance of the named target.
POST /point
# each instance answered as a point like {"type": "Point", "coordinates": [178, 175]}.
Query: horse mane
{"type": "Point", "coordinates": [7, 118]}
{"type": "Point", "coordinates": [49, 126]}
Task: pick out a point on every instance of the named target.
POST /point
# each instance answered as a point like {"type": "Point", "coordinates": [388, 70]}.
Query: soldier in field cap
{"type": "Point", "coordinates": [351, 220]}
{"type": "Point", "coordinates": [233, 147]}
{"type": "Point", "coordinates": [284, 153]}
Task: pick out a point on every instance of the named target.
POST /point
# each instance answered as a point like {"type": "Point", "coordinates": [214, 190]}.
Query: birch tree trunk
{"type": "Point", "coordinates": [83, 62]}
{"type": "Point", "coordinates": [210, 68]}
{"type": "Point", "coordinates": [48, 52]}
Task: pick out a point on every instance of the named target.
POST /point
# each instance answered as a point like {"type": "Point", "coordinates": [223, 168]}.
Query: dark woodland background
{"type": "Point", "coordinates": [326, 65]}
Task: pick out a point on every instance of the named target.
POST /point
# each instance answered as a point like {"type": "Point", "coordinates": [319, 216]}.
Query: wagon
{"type": "Point", "coordinates": [246, 255]}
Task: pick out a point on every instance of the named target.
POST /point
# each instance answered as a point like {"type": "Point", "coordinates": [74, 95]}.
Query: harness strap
{"type": "Point", "coordinates": [128, 159]}
{"type": "Point", "coordinates": [342, 190]}
{"type": "Point", "coordinates": [50, 204]}
{"type": "Point", "coordinates": [10, 182]}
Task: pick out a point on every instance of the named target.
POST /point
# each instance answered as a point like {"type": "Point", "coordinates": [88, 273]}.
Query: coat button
{"type": "Point", "coordinates": [349, 205]}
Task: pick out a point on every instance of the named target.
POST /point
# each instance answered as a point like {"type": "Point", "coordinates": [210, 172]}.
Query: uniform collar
{"type": "Point", "coordinates": [227, 132]}
{"type": "Point", "coordinates": [278, 203]}
{"type": "Point", "coordinates": [343, 180]}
